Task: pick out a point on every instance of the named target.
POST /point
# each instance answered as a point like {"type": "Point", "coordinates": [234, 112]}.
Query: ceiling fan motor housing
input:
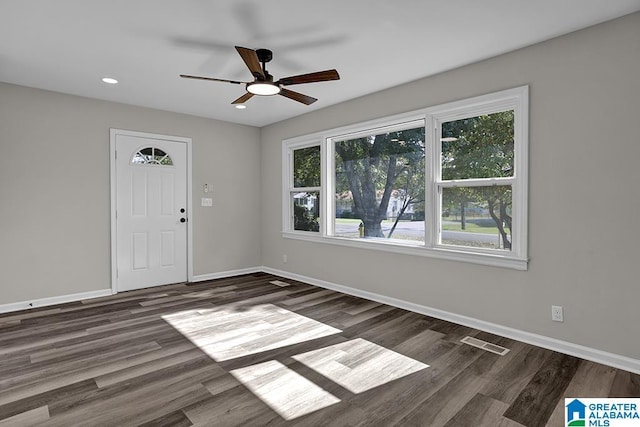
{"type": "Point", "coordinates": [264, 55]}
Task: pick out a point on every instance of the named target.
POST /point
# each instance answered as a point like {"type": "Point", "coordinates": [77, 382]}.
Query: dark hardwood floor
{"type": "Point", "coordinates": [242, 351]}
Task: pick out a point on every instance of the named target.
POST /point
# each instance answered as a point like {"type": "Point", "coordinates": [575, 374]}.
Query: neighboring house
{"type": "Point", "coordinates": [346, 209]}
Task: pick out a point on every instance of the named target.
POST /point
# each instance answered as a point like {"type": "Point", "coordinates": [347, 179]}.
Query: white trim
{"type": "Point", "coordinates": [395, 126]}
{"type": "Point", "coordinates": [229, 273]}
{"type": "Point", "coordinates": [112, 188]}
{"type": "Point", "coordinates": [288, 180]}
{"type": "Point", "coordinates": [449, 253]}
{"type": "Point", "coordinates": [189, 210]}
{"type": "Point", "coordinates": [588, 353]}
{"type": "Point", "coordinates": [62, 299]}
{"type": "Point", "coordinates": [113, 132]}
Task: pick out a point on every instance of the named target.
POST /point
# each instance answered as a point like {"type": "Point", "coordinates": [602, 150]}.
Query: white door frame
{"type": "Point", "coordinates": [112, 157]}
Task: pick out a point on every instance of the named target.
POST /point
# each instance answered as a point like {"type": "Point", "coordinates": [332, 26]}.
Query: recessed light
{"type": "Point", "coordinates": [110, 80]}
{"type": "Point", "coordinates": [241, 107]}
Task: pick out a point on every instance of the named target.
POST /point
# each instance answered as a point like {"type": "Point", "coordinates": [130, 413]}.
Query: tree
{"type": "Point", "coordinates": [306, 174]}
{"type": "Point", "coordinates": [306, 167]}
{"type": "Point", "coordinates": [303, 219]}
{"type": "Point", "coordinates": [411, 189]}
{"type": "Point", "coordinates": [481, 147]}
{"type": "Point", "coordinates": [369, 168]}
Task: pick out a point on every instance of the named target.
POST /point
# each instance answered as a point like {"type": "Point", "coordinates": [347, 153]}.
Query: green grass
{"type": "Point", "coordinates": [474, 225]}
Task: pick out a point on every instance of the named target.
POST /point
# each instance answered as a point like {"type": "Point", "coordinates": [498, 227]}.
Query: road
{"type": "Point", "coordinates": [414, 230]}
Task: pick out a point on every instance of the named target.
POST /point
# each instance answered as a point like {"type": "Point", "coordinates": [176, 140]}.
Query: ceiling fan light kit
{"type": "Point", "coordinates": [263, 84]}
{"type": "Point", "coordinates": [263, 89]}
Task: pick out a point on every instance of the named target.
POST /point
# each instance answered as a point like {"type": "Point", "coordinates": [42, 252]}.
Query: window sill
{"type": "Point", "coordinates": [494, 260]}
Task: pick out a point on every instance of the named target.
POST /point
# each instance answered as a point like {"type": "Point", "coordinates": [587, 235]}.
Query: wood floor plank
{"type": "Point", "coordinates": [364, 316]}
{"type": "Point", "coordinates": [41, 343]}
{"type": "Point", "coordinates": [440, 407]}
{"type": "Point", "coordinates": [159, 383]}
{"type": "Point", "coordinates": [28, 418]}
{"type": "Point", "coordinates": [625, 384]}
{"type": "Point", "coordinates": [133, 372]}
{"type": "Point", "coordinates": [156, 399]}
{"type": "Point", "coordinates": [482, 411]}
{"type": "Point", "coordinates": [523, 363]}
{"type": "Point", "coordinates": [242, 351]}
{"type": "Point", "coordinates": [44, 399]}
{"type": "Point", "coordinates": [231, 408]}
{"type": "Point", "coordinates": [590, 380]}
{"type": "Point", "coordinates": [34, 372]}
{"type": "Point", "coordinates": [537, 401]}
{"type": "Point", "coordinates": [55, 381]}
{"type": "Point", "coordinates": [174, 419]}
{"type": "Point", "coordinates": [28, 314]}
{"type": "Point", "coordinates": [390, 403]}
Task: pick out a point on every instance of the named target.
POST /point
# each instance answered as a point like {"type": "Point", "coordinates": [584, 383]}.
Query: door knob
{"type": "Point", "coordinates": [183, 220]}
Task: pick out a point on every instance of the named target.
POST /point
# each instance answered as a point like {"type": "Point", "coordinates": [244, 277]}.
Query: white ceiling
{"type": "Point", "coordinates": [69, 45]}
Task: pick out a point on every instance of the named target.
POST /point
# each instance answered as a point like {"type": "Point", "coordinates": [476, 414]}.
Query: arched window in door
{"type": "Point", "coordinates": [151, 156]}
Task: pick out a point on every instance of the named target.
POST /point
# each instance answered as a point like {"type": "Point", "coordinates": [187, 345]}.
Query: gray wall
{"type": "Point", "coordinates": [54, 191]}
{"type": "Point", "coordinates": [583, 194]}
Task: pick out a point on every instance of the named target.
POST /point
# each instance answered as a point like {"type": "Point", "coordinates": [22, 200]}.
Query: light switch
{"type": "Point", "coordinates": [206, 188]}
{"type": "Point", "coordinates": [207, 202]}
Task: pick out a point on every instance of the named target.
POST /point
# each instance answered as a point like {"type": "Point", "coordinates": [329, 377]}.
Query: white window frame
{"type": "Point", "coordinates": [516, 99]}
{"type": "Point", "coordinates": [288, 181]}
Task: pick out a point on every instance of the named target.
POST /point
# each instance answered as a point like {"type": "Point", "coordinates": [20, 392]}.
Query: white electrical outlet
{"type": "Point", "coordinates": [557, 314]}
{"type": "Point", "coordinates": [284, 258]}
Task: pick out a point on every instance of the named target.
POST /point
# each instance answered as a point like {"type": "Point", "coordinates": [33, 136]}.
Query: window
{"type": "Point", "coordinates": [151, 156]}
{"type": "Point", "coordinates": [379, 184]}
{"type": "Point", "coordinates": [475, 180]}
{"type": "Point", "coordinates": [304, 191]}
{"type": "Point", "coordinates": [448, 181]}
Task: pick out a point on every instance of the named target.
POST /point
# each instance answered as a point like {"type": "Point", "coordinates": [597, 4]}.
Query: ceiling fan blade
{"type": "Point", "coordinates": [319, 76]}
{"type": "Point", "coordinates": [250, 57]}
{"type": "Point", "coordinates": [305, 99]}
{"type": "Point", "coordinates": [185, 76]}
{"type": "Point", "coordinates": [243, 98]}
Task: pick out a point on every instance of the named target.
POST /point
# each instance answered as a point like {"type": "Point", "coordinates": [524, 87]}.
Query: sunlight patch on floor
{"type": "Point", "coordinates": [288, 393]}
{"type": "Point", "coordinates": [234, 330]}
{"type": "Point", "coordinates": [359, 365]}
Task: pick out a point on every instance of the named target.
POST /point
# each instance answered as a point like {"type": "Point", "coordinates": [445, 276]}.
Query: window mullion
{"type": "Point", "coordinates": [305, 189]}
{"type": "Point", "coordinates": [326, 182]}
{"type": "Point", "coordinates": [432, 174]}
{"type": "Point", "coordinates": [480, 182]}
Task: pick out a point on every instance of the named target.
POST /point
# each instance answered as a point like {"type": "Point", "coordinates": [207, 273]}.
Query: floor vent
{"type": "Point", "coordinates": [280, 283]}
{"type": "Point", "coordinates": [485, 345]}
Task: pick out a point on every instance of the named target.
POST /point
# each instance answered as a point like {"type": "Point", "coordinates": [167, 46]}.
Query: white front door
{"type": "Point", "coordinates": [151, 211]}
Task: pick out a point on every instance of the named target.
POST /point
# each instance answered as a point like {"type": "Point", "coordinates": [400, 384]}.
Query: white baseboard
{"type": "Point", "coordinates": [43, 302]}
{"type": "Point", "coordinates": [62, 299]}
{"type": "Point", "coordinates": [223, 274]}
{"type": "Point", "coordinates": [583, 352]}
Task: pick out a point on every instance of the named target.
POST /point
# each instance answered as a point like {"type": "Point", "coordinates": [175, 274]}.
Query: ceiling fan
{"type": "Point", "coordinates": [263, 83]}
